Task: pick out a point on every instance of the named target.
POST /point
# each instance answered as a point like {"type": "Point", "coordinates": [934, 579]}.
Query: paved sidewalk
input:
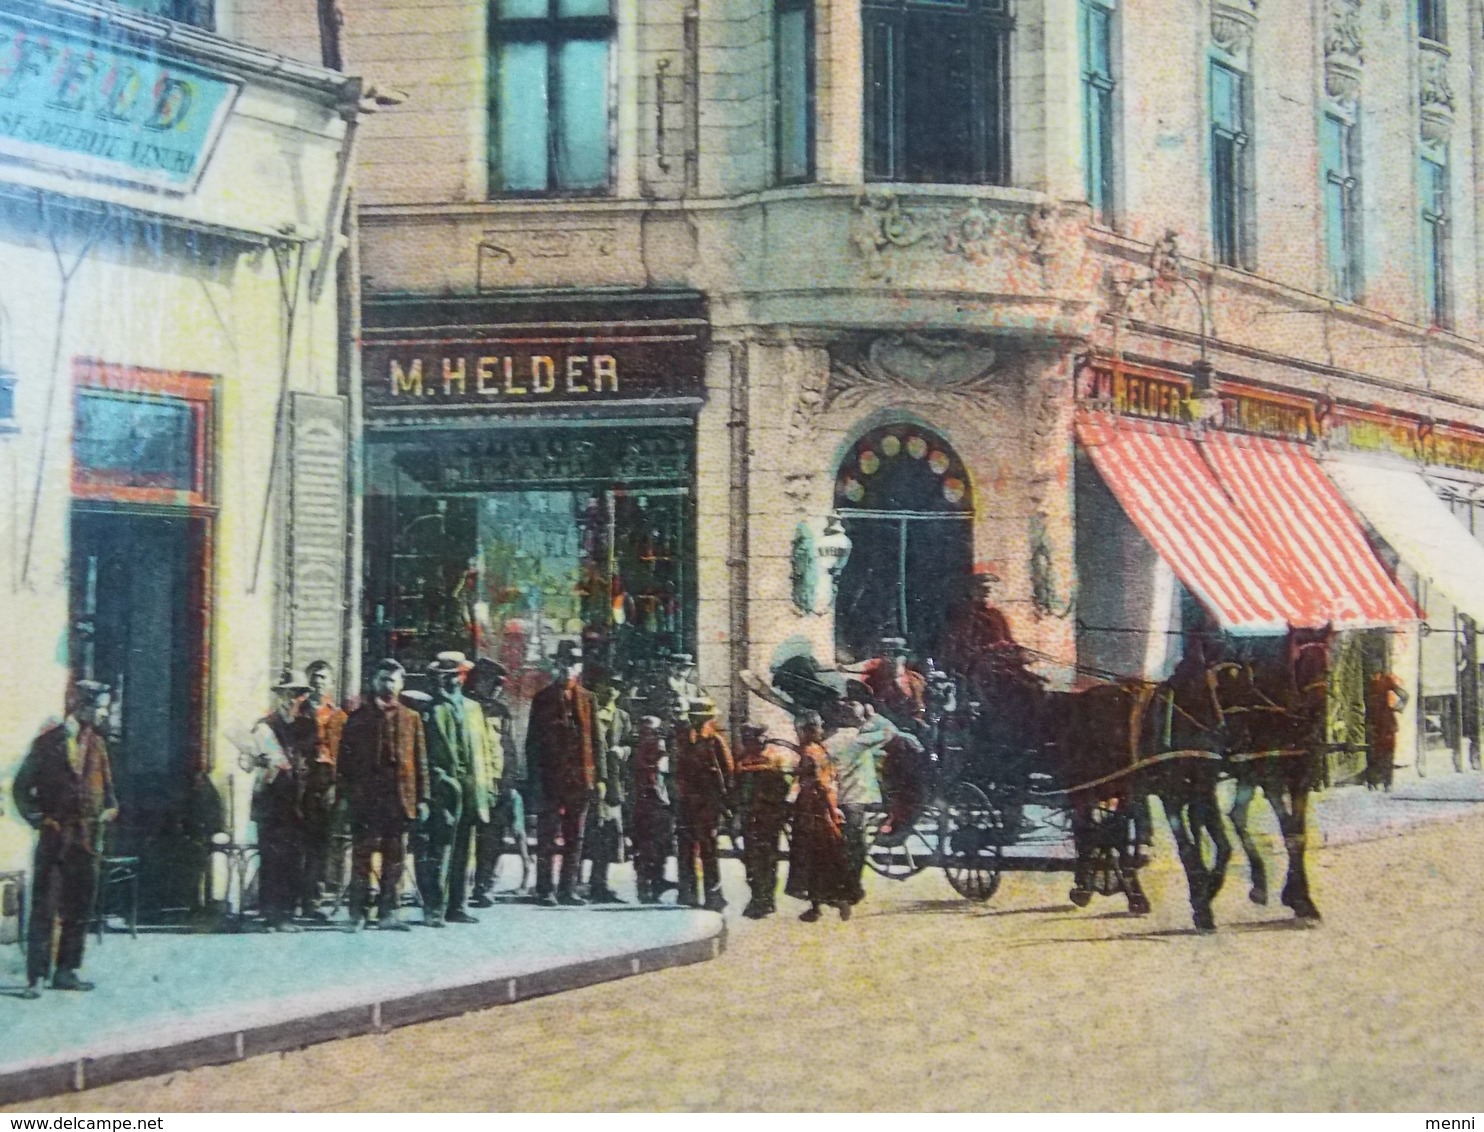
{"type": "Point", "coordinates": [1344, 815]}
{"type": "Point", "coordinates": [173, 1000]}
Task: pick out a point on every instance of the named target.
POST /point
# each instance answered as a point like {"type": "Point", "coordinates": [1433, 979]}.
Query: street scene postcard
{"type": "Point", "coordinates": [726, 556]}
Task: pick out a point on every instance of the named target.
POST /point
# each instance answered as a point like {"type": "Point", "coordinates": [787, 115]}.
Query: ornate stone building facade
{"type": "Point", "coordinates": [884, 235]}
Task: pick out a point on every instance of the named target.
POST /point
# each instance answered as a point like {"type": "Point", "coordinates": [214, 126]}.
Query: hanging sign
{"type": "Point", "coordinates": [106, 111]}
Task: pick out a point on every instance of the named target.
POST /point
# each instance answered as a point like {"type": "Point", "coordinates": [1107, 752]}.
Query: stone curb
{"type": "Point", "coordinates": [74, 1074]}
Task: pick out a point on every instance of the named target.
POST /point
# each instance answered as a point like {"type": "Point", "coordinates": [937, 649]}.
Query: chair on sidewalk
{"type": "Point", "coordinates": [113, 873]}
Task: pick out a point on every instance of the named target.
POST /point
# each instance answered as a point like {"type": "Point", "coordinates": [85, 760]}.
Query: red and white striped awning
{"type": "Point", "coordinates": [1253, 529]}
{"type": "Point", "coordinates": [1283, 493]}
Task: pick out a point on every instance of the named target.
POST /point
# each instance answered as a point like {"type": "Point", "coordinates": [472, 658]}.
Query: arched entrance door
{"type": "Point", "coordinates": [908, 509]}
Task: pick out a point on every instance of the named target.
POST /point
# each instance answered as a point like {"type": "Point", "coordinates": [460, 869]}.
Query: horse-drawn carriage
{"type": "Point", "coordinates": [1014, 776]}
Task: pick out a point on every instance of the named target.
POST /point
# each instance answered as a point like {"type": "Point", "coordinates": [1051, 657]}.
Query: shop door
{"type": "Point", "coordinates": [136, 626]}
{"type": "Point", "coordinates": [904, 497]}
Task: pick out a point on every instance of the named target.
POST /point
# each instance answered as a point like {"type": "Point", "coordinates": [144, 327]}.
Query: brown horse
{"type": "Point", "coordinates": [1273, 711]}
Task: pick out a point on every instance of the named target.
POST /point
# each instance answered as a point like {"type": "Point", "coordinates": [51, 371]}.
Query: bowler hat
{"type": "Point", "coordinates": [704, 706]}
{"type": "Point", "coordinates": [893, 646]}
{"type": "Point", "coordinates": [986, 572]}
{"type": "Point", "coordinates": [450, 661]}
{"type": "Point", "coordinates": [490, 669]}
{"type": "Point", "coordinates": [569, 649]}
{"type": "Point", "coordinates": [291, 680]}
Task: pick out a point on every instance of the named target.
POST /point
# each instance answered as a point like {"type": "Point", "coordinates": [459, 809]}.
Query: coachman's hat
{"type": "Point", "coordinates": [894, 646]}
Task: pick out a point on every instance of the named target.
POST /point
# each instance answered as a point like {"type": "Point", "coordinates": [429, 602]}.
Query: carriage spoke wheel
{"type": "Point", "coordinates": [971, 842]}
{"type": "Point", "coordinates": [896, 857]}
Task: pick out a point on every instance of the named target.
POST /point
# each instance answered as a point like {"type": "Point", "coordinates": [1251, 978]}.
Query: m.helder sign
{"type": "Point", "coordinates": [106, 111]}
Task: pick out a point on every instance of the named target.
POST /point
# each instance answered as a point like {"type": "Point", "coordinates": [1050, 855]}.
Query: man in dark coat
{"type": "Point", "coordinates": [762, 790]}
{"type": "Point", "coordinates": [653, 825]}
{"type": "Point", "coordinates": [703, 785]}
{"type": "Point", "coordinates": [383, 777]}
{"type": "Point", "coordinates": [65, 790]}
{"type": "Point", "coordinates": [287, 742]}
{"type": "Point", "coordinates": [566, 755]}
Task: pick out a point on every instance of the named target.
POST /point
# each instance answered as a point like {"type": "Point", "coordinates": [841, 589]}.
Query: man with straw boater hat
{"type": "Point", "coordinates": [457, 737]}
{"type": "Point", "coordinates": [286, 740]}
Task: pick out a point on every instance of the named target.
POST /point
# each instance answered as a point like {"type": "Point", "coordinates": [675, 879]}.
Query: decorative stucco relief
{"type": "Point", "coordinates": [1434, 94]}
{"type": "Point", "coordinates": [1344, 51]}
{"type": "Point", "coordinates": [1022, 250]}
{"type": "Point", "coordinates": [504, 249]}
{"type": "Point", "coordinates": [935, 365]}
{"type": "Point", "coordinates": [1232, 25]}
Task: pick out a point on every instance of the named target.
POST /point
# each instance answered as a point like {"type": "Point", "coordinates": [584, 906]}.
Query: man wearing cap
{"type": "Point", "coordinates": [762, 791]}
{"type": "Point", "coordinates": [486, 687]}
{"type": "Point", "coordinates": [567, 758]}
{"type": "Point", "coordinates": [319, 783]}
{"type": "Point", "coordinates": [457, 736]}
{"type": "Point", "coordinates": [703, 785]}
{"type": "Point", "coordinates": [287, 740]}
{"type": "Point", "coordinates": [64, 790]}
{"type": "Point", "coordinates": [653, 825]}
{"type": "Point", "coordinates": [383, 776]}
{"type": "Point", "coordinates": [975, 629]}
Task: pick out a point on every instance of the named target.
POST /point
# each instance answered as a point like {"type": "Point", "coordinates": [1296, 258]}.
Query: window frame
{"type": "Point", "coordinates": [1231, 236]}
{"type": "Point", "coordinates": [1435, 214]}
{"type": "Point", "coordinates": [554, 31]}
{"type": "Point", "coordinates": [1432, 21]}
{"type": "Point", "coordinates": [990, 27]}
{"type": "Point", "coordinates": [810, 109]}
{"type": "Point", "coordinates": [1099, 112]}
{"type": "Point", "coordinates": [1345, 262]}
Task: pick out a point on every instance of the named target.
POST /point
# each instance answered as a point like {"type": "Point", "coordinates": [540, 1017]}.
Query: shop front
{"type": "Point", "coordinates": [530, 478]}
{"type": "Point", "coordinates": [1225, 519]}
{"type": "Point", "coordinates": [163, 355]}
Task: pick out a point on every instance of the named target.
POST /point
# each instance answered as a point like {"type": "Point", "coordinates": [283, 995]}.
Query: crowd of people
{"type": "Point", "coordinates": [436, 776]}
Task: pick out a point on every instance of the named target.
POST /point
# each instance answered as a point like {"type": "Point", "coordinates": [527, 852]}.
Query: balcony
{"type": "Point", "coordinates": [198, 13]}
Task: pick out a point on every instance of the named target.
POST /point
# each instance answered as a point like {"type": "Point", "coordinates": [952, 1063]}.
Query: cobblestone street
{"type": "Point", "coordinates": [926, 1002]}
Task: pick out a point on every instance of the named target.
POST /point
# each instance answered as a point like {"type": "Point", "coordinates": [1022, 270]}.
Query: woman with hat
{"type": "Point", "coordinates": [818, 869]}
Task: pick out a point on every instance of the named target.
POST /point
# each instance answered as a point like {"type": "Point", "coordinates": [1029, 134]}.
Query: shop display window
{"type": "Point", "coordinates": [502, 545]}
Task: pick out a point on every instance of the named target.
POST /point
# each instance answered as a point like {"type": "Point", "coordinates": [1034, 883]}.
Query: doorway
{"type": "Point", "coordinates": [138, 625]}
{"type": "Point", "coordinates": [906, 504]}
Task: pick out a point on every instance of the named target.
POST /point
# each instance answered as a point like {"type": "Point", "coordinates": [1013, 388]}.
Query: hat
{"type": "Point", "coordinates": [985, 572]}
{"type": "Point", "coordinates": [491, 669]}
{"type": "Point", "coordinates": [751, 732]}
{"type": "Point", "coordinates": [416, 700]}
{"type": "Point", "coordinates": [680, 659]}
{"type": "Point", "coordinates": [450, 661]}
{"type": "Point", "coordinates": [318, 666]}
{"type": "Point", "coordinates": [705, 706]}
{"type": "Point", "coordinates": [89, 691]}
{"type": "Point", "coordinates": [390, 665]}
{"type": "Point", "coordinates": [291, 680]}
{"type": "Point", "coordinates": [569, 649]}
{"type": "Point", "coordinates": [653, 722]}
{"type": "Point", "coordinates": [894, 646]}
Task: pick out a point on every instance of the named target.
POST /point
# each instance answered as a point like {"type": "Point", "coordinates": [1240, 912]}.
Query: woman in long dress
{"type": "Point", "coordinates": [818, 870]}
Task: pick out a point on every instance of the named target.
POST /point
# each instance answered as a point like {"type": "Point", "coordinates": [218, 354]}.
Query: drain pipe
{"type": "Point", "coordinates": [739, 542]}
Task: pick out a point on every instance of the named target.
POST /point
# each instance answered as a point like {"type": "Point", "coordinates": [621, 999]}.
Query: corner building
{"type": "Point", "coordinates": [901, 260]}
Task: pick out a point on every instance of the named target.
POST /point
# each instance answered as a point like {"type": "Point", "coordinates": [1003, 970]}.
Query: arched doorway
{"type": "Point", "coordinates": [908, 509]}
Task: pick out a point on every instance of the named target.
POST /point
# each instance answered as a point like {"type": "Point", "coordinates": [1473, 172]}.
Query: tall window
{"type": "Point", "coordinates": [1230, 194]}
{"type": "Point", "coordinates": [549, 96]}
{"type": "Point", "coordinates": [793, 39]}
{"type": "Point", "coordinates": [1341, 188]}
{"type": "Point", "coordinates": [1097, 106]}
{"type": "Point", "coordinates": [1432, 20]}
{"type": "Point", "coordinates": [937, 92]}
{"type": "Point", "coordinates": [1434, 191]}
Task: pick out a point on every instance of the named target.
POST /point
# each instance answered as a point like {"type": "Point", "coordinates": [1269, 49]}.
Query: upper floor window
{"type": "Point", "coordinates": [1097, 106]}
{"type": "Point", "coordinates": [937, 90]}
{"type": "Point", "coordinates": [1341, 188]}
{"type": "Point", "coordinates": [1231, 191]}
{"type": "Point", "coordinates": [793, 61]}
{"type": "Point", "coordinates": [1432, 20]}
{"type": "Point", "coordinates": [1435, 249]}
{"type": "Point", "coordinates": [549, 91]}
{"type": "Point", "coordinates": [197, 13]}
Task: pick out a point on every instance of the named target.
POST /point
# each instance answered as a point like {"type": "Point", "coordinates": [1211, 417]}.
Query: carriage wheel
{"type": "Point", "coordinates": [971, 842]}
{"type": "Point", "coordinates": [896, 858]}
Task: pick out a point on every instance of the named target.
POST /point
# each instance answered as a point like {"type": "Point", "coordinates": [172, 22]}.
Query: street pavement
{"type": "Point", "coordinates": [925, 1001]}
{"type": "Point", "coordinates": [174, 998]}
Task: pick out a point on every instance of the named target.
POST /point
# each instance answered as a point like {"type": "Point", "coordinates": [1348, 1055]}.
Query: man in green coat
{"type": "Point", "coordinates": [456, 734]}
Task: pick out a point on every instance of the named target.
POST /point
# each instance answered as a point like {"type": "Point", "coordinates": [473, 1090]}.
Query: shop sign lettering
{"type": "Point", "coordinates": [1457, 450]}
{"type": "Point", "coordinates": [1366, 432]}
{"type": "Point", "coordinates": [95, 109]}
{"type": "Point", "coordinates": [1135, 394]}
{"type": "Point", "coordinates": [1269, 416]}
{"type": "Point", "coordinates": [550, 372]}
